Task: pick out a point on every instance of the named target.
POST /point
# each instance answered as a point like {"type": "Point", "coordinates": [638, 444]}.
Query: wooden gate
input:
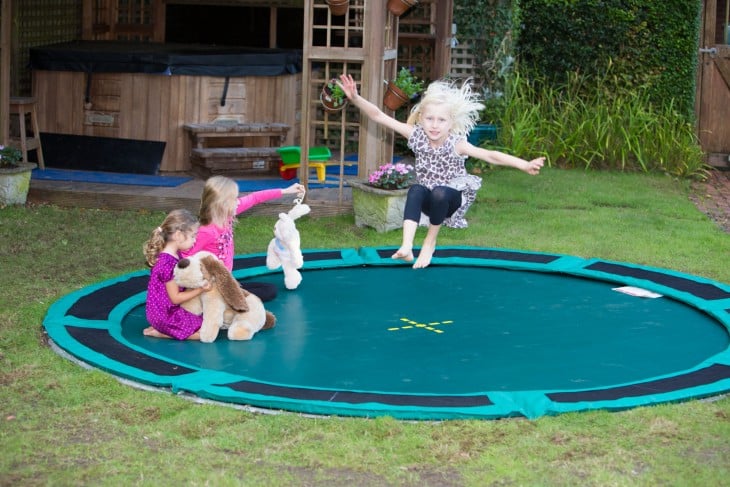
{"type": "Point", "coordinates": [713, 83]}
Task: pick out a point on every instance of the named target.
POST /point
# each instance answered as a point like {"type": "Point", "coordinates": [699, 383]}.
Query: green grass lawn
{"type": "Point", "coordinates": [62, 424]}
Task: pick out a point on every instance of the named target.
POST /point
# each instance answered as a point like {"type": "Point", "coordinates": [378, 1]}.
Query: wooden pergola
{"type": "Point", "coordinates": [363, 42]}
{"type": "Point", "coordinates": [372, 59]}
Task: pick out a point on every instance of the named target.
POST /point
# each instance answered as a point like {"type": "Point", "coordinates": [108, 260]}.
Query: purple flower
{"type": "Point", "coordinates": [392, 176]}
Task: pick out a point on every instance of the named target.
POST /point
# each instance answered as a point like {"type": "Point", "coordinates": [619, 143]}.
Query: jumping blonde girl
{"type": "Point", "coordinates": [436, 130]}
{"type": "Point", "coordinates": [220, 203]}
{"type": "Point", "coordinates": [164, 297]}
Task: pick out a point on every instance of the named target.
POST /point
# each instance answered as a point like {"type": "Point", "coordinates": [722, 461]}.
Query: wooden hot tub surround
{"type": "Point", "coordinates": [151, 91]}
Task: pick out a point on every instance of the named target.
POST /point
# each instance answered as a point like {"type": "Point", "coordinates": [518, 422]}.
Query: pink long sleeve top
{"type": "Point", "coordinates": [219, 240]}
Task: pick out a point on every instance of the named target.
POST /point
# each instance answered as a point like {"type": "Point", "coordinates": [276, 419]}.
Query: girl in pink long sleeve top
{"type": "Point", "coordinates": [219, 206]}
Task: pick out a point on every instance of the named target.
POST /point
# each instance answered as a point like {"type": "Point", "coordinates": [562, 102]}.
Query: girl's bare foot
{"type": "Point", "coordinates": [403, 254]}
{"type": "Point", "coordinates": [424, 256]}
{"type": "Point", "coordinates": [151, 332]}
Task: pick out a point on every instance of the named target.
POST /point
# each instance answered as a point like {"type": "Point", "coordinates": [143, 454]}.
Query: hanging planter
{"type": "Point", "coordinates": [404, 87]}
{"type": "Point", "coordinates": [394, 97]}
{"type": "Point", "coordinates": [332, 97]}
{"type": "Point", "coordinates": [399, 7]}
{"type": "Point", "coordinates": [338, 7]}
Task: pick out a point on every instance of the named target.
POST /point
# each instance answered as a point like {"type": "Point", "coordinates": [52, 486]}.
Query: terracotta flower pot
{"type": "Point", "coordinates": [329, 102]}
{"type": "Point", "coordinates": [399, 7]}
{"type": "Point", "coordinates": [394, 97]}
{"type": "Point", "coordinates": [338, 7]}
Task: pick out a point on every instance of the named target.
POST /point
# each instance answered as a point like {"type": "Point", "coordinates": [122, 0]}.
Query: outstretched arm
{"type": "Point", "coordinates": [370, 110]}
{"type": "Point", "coordinates": [500, 158]}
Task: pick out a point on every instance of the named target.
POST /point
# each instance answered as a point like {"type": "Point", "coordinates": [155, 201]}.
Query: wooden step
{"type": "Point", "coordinates": [251, 127]}
{"type": "Point", "coordinates": [234, 160]}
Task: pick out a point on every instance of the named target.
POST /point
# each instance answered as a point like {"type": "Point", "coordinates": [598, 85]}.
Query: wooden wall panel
{"type": "Point", "coordinates": [106, 89]}
{"type": "Point", "coordinates": [155, 107]}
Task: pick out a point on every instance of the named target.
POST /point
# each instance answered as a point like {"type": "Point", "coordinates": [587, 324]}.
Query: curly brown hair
{"type": "Point", "coordinates": [181, 220]}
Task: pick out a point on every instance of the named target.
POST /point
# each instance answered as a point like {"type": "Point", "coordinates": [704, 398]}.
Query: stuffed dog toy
{"type": "Point", "coordinates": [226, 305]}
{"type": "Point", "coordinates": [285, 248]}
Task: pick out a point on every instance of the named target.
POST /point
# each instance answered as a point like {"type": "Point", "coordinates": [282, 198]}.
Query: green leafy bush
{"type": "Point", "coordinates": [651, 43]}
{"type": "Point", "coordinates": [610, 128]}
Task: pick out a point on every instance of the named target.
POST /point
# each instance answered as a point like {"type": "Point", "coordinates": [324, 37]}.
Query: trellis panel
{"type": "Point", "coordinates": [38, 23]}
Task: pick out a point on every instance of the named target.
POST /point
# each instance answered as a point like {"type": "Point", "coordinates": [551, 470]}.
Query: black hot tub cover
{"type": "Point", "coordinates": [167, 59]}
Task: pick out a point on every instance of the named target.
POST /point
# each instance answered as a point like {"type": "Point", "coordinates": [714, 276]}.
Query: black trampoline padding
{"type": "Point", "coordinates": [481, 333]}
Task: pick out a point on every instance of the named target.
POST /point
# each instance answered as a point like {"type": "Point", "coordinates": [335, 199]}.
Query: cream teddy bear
{"type": "Point", "coordinates": [285, 248]}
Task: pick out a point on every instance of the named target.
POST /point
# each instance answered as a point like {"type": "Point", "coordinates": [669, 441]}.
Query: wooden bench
{"type": "Point", "coordinates": [233, 160]}
{"type": "Point", "coordinates": [235, 147]}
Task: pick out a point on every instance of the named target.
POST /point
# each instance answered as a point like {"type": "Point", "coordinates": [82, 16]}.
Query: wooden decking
{"type": "Point", "coordinates": [324, 201]}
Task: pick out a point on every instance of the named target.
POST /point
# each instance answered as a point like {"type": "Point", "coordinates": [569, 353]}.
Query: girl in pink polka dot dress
{"type": "Point", "coordinates": [164, 297]}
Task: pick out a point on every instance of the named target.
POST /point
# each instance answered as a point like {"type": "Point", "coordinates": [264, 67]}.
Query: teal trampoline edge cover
{"type": "Point", "coordinates": [92, 325]}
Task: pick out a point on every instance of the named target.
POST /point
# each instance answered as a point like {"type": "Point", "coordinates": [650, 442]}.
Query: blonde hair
{"type": "Point", "coordinates": [219, 200]}
{"type": "Point", "coordinates": [464, 104]}
{"type": "Point", "coordinates": [181, 220]}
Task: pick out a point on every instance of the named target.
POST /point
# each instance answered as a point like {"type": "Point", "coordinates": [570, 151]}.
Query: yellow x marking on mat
{"type": "Point", "coordinates": [412, 325]}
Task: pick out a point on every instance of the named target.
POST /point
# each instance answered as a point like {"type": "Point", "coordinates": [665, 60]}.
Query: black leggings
{"type": "Point", "coordinates": [438, 203]}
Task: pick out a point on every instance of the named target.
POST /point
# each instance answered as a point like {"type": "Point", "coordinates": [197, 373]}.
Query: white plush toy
{"type": "Point", "coordinates": [226, 305]}
{"type": "Point", "coordinates": [285, 248]}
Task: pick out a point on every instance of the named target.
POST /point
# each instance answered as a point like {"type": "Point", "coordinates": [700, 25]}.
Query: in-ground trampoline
{"type": "Point", "coordinates": [481, 333]}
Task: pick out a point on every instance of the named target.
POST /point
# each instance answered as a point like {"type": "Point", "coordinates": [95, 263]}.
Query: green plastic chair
{"type": "Point", "coordinates": [291, 159]}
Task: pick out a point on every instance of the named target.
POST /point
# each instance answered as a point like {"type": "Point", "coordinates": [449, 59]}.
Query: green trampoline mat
{"type": "Point", "coordinates": [481, 333]}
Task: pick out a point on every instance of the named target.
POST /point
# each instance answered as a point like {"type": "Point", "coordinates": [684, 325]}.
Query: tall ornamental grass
{"type": "Point", "coordinates": [592, 124]}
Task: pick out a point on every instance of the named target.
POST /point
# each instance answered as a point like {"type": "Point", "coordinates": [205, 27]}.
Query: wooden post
{"type": "Point", "coordinates": [5, 47]}
{"type": "Point", "coordinates": [87, 20]}
{"type": "Point", "coordinates": [376, 142]}
{"type": "Point", "coordinates": [305, 109]}
{"type": "Point", "coordinates": [159, 20]}
{"type": "Point", "coordinates": [273, 16]}
{"type": "Point", "coordinates": [442, 49]}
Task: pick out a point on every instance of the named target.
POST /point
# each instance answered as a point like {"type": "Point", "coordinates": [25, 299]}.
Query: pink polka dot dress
{"type": "Point", "coordinates": [164, 316]}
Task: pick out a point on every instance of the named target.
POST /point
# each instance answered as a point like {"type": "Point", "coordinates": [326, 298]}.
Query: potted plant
{"type": "Point", "coordinates": [405, 86]}
{"type": "Point", "coordinates": [380, 201]}
{"type": "Point", "coordinates": [14, 176]}
{"type": "Point", "coordinates": [333, 98]}
{"type": "Point", "coordinates": [392, 176]}
{"type": "Point", "coordinates": [338, 7]}
{"type": "Point", "coordinates": [399, 7]}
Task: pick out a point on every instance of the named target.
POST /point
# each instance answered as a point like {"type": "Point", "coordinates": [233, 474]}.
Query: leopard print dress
{"type": "Point", "coordinates": [441, 166]}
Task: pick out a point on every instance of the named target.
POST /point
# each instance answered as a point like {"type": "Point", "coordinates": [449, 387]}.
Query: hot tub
{"type": "Point", "coordinates": [148, 92]}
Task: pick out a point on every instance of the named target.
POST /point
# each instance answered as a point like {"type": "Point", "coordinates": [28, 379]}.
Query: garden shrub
{"type": "Point", "coordinates": [607, 128]}
{"type": "Point", "coordinates": [650, 44]}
